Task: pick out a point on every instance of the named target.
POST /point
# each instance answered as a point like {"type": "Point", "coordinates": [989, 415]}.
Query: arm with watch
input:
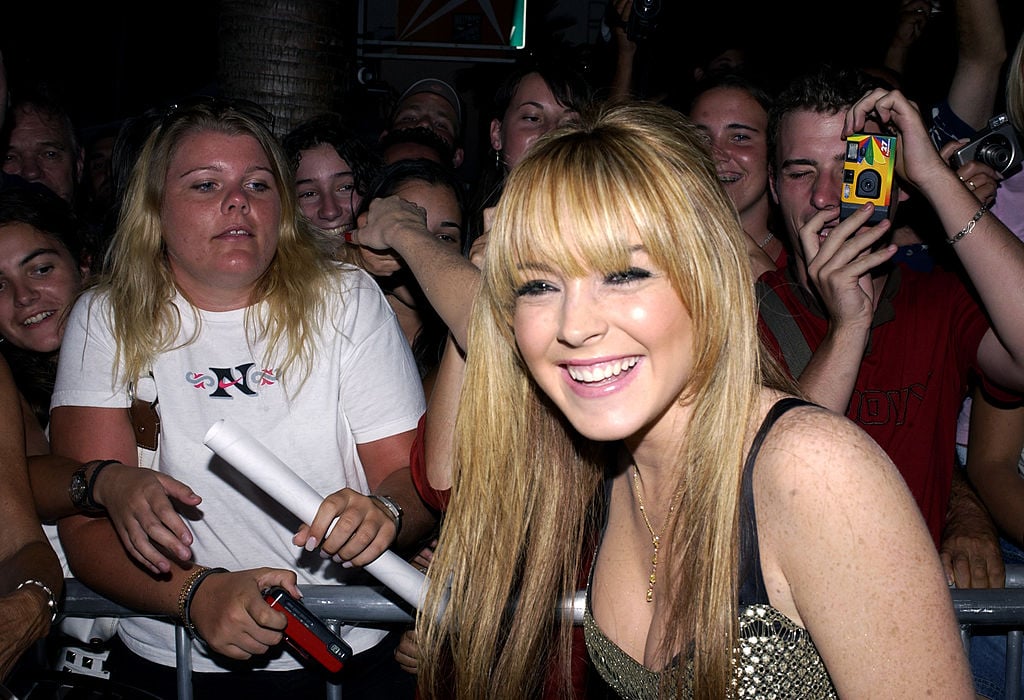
{"type": "Point", "coordinates": [391, 516]}
{"type": "Point", "coordinates": [128, 495]}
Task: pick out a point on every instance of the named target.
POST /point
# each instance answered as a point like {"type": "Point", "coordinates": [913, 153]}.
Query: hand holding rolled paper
{"type": "Point", "coordinates": [261, 466]}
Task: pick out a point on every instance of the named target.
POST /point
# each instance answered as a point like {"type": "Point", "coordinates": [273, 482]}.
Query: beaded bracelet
{"type": "Point", "coordinates": [51, 599]}
{"type": "Point", "coordinates": [969, 227]}
{"type": "Point", "coordinates": [188, 593]}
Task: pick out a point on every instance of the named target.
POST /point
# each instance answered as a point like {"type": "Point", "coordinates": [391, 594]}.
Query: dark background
{"type": "Point", "coordinates": [115, 59]}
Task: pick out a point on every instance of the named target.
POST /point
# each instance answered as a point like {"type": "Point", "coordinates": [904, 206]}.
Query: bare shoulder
{"type": "Point", "coordinates": [810, 444]}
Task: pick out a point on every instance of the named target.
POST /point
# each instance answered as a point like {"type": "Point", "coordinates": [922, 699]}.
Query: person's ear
{"type": "Point", "coordinates": [771, 185]}
{"type": "Point", "coordinates": [496, 143]}
{"type": "Point", "coordinates": [458, 157]}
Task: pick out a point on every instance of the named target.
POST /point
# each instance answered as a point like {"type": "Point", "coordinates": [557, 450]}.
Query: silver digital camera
{"type": "Point", "coordinates": [997, 146]}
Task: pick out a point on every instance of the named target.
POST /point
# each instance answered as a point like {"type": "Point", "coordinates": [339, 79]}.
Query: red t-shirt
{"type": "Point", "coordinates": [914, 375]}
{"type": "Point", "coordinates": [438, 500]}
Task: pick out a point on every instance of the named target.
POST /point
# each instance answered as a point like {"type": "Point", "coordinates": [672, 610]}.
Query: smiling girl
{"type": "Point", "coordinates": [748, 543]}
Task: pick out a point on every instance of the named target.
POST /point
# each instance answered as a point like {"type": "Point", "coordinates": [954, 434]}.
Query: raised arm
{"type": "Point", "coordinates": [981, 52]}
{"type": "Point", "coordinates": [448, 279]}
{"type": "Point", "coordinates": [839, 267]}
{"type": "Point", "coordinates": [992, 256]}
{"type": "Point", "coordinates": [912, 20]}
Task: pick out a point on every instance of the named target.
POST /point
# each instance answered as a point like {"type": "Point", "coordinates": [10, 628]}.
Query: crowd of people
{"type": "Point", "coordinates": [639, 354]}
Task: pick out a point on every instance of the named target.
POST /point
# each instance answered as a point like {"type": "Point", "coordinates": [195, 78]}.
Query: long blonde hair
{"type": "Point", "coordinates": [526, 485]}
{"type": "Point", "coordinates": [138, 279]}
{"type": "Point", "coordinates": [1015, 87]}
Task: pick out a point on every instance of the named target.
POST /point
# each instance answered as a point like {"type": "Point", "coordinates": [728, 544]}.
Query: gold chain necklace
{"type": "Point", "coordinates": [655, 538]}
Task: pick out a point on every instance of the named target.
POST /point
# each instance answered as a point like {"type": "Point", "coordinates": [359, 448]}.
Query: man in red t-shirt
{"type": "Point", "coordinates": [892, 348]}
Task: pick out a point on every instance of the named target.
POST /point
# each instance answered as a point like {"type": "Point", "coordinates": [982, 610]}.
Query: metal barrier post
{"type": "Point", "coordinates": [183, 655]}
{"type": "Point", "coordinates": [333, 689]}
{"type": "Point", "coordinates": [1013, 663]}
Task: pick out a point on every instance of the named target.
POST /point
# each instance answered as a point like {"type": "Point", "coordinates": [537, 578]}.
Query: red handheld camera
{"type": "Point", "coordinates": [306, 633]}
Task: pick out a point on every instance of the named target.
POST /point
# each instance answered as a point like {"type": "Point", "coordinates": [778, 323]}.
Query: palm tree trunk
{"type": "Point", "coordinates": [290, 56]}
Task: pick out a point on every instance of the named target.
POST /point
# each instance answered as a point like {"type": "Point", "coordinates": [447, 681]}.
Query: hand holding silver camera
{"type": "Point", "coordinates": [997, 146]}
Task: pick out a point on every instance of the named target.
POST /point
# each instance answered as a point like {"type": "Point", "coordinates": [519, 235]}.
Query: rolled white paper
{"type": "Point", "coordinates": [246, 454]}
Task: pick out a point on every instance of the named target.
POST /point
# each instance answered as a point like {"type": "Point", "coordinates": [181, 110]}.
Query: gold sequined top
{"type": "Point", "coordinates": [775, 659]}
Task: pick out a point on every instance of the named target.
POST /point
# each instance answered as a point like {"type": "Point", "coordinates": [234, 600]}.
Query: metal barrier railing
{"type": "Point", "coordinates": [1000, 607]}
{"type": "Point", "coordinates": [997, 607]}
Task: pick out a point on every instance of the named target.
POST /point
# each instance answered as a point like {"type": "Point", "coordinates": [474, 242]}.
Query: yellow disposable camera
{"type": "Point", "coordinates": [869, 176]}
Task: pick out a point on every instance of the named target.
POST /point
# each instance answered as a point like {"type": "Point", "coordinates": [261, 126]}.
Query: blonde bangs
{"type": "Point", "coordinates": [568, 202]}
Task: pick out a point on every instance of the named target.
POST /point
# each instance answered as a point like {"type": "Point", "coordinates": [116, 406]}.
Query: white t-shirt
{"type": "Point", "coordinates": [364, 386]}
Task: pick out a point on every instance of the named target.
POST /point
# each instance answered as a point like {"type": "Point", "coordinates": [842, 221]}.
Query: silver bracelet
{"type": "Point", "coordinates": [969, 227]}
{"type": "Point", "coordinates": [51, 599]}
{"type": "Point", "coordinates": [392, 507]}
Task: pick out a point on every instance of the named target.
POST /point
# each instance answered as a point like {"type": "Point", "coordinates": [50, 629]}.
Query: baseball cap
{"type": "Point", "coordinates": [436, 87]}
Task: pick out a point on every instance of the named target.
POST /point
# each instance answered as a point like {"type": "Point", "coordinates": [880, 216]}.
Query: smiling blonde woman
{"type": "Point", "coordinates": [748, 543]}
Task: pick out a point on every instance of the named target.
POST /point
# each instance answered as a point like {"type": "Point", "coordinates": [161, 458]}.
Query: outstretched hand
{"type": "Point", "coordinates": [139, 504]}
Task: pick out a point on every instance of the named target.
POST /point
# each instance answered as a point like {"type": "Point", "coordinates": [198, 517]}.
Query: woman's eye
{"type": "Point", "coordinates": [534, 288]}
{"type": "Point", "coordinates": [626, 276]}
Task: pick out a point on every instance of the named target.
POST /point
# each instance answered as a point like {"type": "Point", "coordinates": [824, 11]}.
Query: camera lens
{"type": "Point", "coordinates": [869, 183]}
{"type": "Point", "coordinates": [995, 152]}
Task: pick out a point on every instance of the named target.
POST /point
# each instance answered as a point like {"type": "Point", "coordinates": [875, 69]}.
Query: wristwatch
{"type": "Point", "coordinates": [79, 489]}
{"type": "Point", "coordinates": [390, 505]}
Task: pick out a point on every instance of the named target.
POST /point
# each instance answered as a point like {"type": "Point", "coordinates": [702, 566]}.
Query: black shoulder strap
{"type": "Point", "coordinates": [780, 321]}
{"type": "Point", "coordinates": [752, 588]}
